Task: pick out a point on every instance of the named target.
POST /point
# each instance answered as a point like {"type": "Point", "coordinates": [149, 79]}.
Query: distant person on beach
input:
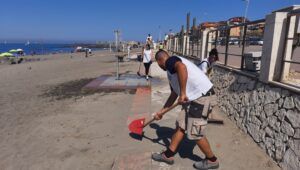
{"type": "Point", "coordinates": [147, 59]}
{"type": "Point", "coordinates": [161, 46]}
{"type": "Point", "coordinates": [191, 88]}
{"type": "Point", "coordinates": [166, 39]}
{"type": "Point", "coordinates": [149, 41]}
{"type": "Point", "coordinates": [149, 37]}
{"type": "Point", "coordinates": [86, 53]}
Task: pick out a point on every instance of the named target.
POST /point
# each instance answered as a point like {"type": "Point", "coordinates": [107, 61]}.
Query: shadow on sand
{"type": "Point", "coordinates": [164, 135]}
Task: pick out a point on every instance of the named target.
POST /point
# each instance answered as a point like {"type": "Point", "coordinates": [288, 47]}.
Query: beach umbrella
{"type": "Point", "coordinates": [13, 51]}
{"type": "Point", "coordinates": [19, 50]}
{"type": "Point", "coordinates": [6, 54]}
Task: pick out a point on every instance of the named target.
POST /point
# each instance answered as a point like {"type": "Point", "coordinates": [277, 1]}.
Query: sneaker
{"type": "Point", "coordinates": [160, 157]}
{"type": "Point", "coordinates": [206, 164]}
{"type": "Point", "coordinates": [147, 78]}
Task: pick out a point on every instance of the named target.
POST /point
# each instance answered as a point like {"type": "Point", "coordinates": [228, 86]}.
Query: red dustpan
{"type": "Point", "coordinates": [136, 126]}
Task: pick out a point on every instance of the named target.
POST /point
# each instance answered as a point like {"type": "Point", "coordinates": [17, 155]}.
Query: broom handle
{"type": "Point", "coordinates": [140, 66]}
{"type": "Point", "coordinates": [163, 112]}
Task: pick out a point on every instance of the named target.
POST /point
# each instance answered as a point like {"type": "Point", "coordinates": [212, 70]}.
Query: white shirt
{"type": "Point", "coordinates": [197, 84]}
{"type": "Point", "coordinates": [147, 56]}
{"type": "Point", "coordinates": [204, 65]}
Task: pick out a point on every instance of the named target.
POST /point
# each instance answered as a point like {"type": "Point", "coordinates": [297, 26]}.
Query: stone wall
{"type": "Point", "coordinates": [269, 114]}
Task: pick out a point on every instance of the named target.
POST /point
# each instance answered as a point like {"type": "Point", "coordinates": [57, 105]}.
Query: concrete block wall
{"type": "Point", "coordinates": [269, 114]}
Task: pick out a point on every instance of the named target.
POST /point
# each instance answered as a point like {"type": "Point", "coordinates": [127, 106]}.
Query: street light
{"type": "Point", "coordinates": [246, 10]}
{"type": "Point", "coordinates": [159, 33]}
{"type": "Point", "coordinates": [244, 21]}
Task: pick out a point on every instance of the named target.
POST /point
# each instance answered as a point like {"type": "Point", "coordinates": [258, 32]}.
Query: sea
{"type": "Point", "coordinates": [39, 49]}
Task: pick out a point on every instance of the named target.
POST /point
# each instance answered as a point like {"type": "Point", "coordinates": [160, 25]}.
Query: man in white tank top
{"type": "Point", "coordinates": [191, 86]}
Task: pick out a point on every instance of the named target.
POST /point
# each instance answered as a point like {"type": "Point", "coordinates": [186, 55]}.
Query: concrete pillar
{"type": "Point", "coordinates": [289, 47]}
{"type": "Point", "coordinates": [175, 44]}
{"type": "Point", "coordinates": [183, 45]}
{"type": "Point", "coordinates": [209, 45]}
{"type": "Point", "coordinates": [274, 40]}
{"type": "Point", "coordinates": [206, 46]}
{"type": "Point", "coordinates": [203, 44]}
{"type": "Point", "coordinates": [187, 51]}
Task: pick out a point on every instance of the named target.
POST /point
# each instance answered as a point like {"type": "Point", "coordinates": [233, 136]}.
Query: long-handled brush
{"type": "Point", "coordinates": [138, 72]}
{"type": "Point", "coordinates": [136, 126]}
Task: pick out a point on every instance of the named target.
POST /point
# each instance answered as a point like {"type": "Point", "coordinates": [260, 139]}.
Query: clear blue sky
{"type": "Point", "coordinates": [91, 20]}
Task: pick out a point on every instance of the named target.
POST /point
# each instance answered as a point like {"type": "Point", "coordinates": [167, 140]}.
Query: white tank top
{"type": "Point", "coordinates": [197, 84]}
{"type": "Point", "coordinates": [147, 56]}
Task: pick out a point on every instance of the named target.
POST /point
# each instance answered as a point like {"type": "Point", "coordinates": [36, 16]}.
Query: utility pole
{"type": "Point", "coordinates": [244, 21]}
{"type": "Point", "coordinates": [159, 33]}
{"type": "Point", "coordinates": [246, 10]}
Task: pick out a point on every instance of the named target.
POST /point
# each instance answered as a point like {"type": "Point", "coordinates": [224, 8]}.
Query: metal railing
{"type": "Point", "coordinates": [291, 53]}
{"type": "Point", "coordinates": [224, 37]}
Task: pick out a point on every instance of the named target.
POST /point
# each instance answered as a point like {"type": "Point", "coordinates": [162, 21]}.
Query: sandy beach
{"type": "Point", "coordinates": [44, 116]}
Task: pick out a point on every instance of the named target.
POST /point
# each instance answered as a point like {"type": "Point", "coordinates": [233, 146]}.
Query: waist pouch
{"type": "Point", "coordinates": [196, 123]}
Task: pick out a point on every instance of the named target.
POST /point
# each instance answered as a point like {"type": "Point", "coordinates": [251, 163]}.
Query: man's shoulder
{"type": "Point", "coordinates": [170, 63]}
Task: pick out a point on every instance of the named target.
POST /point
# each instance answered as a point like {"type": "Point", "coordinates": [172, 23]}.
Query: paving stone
{"type": "Point", "coordinates": [295, 146]}
{"type": "Point", "coordinates": [294, 118]}
{"type": "Point", "coordinates": [280, 102]}
{"type": "Point", "coordinates": [255, 120]}
{"type": "Point", "coordinates": [279, 151]}
{"type": "Point", "coordinates": [254, 132]}
{"type": "Point", "coordinates": [270, 109]}
{"type": "Point", "coordinates": [287, 128]}
{"type": "Point", "coordinates": [254, 98]}
{"type": "Point", "coordinates": [285, 93]}
{"type": "Point", "coordinates": [289, 103]}
{"type": "Point", "coordinates": [272, 94]}
{"type": "Point", "coordinates": [297, 102]}
{"type": "Point", "coordinates": [272, 121]}
{"type": "Point", "coordinates": [269, 132]}
{"type": "Point", "coordinates": [281, 114]}
{"type": "Point", "coordinates": [290, 161]}
{"type": "Point", "coordinates": [297, 133]}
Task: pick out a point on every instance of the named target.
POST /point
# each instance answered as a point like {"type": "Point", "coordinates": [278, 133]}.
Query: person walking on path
{"type": "Point", "coordinates": [192, 88]}
{"type": "Point", "coordinates": [147, 59]}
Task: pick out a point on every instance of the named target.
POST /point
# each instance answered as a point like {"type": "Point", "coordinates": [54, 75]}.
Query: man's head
{"type": "Point", "coordinates": [213, 56]}
{"type": "Point", "coordinates": [161, 57]}
{"type": "Point", "coordinates": [148, 47]}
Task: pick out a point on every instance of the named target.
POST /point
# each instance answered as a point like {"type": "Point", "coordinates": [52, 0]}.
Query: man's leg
{"type": "Point", "coordinates": [167, 156]}
{"type": "Point", "coordinates": [210, 162]}
{"type": "Point", "coordinates": [176, 139]}
{"type": "Point", "coordinates": [204, 146]}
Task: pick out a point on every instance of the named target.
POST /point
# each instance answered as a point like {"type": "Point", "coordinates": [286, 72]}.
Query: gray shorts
{"type": "Point", "coordinates": [193, 117]}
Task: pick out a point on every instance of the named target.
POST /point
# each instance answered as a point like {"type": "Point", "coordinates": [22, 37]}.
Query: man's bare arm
{"type": "Point", "coordinates": [182, 78]}
{"type": "Point", "coordinates": [172, 98]}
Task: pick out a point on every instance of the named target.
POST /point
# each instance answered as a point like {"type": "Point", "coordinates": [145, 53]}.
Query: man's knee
{"type": "Point", "coordinates": [179, 129]}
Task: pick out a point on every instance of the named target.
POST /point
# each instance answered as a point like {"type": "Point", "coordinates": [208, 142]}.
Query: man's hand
{"type": "Point", "coordinates": [183, 99]}
{"type": "Point", "coordinates": [158, 115]}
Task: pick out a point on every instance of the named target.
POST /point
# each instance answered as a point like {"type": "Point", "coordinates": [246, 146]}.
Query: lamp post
{"type": "Point", "coordinates": [246, 10]}
{"type": "Point", "coordinates": [244, 21]}
{"type": "Point", "coordinates": [159, 33]}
